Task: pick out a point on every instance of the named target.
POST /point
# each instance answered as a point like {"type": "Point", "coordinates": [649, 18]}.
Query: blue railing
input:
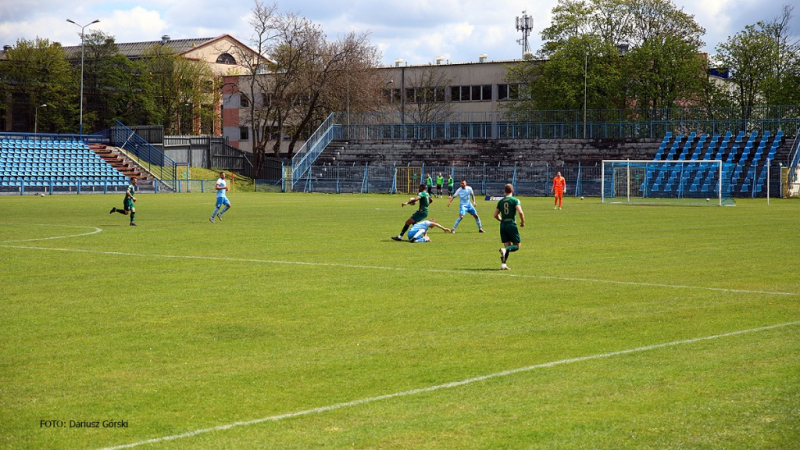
{"type": "Point", "coordinates": [149, 157]}
{"type": "Point", "coordinates": [52, 137]}
{"type": "Point", "coordinates": [570, 124]}
{"type": "Point", "coordinates": [314, 146]}
{"type": "Point", "coordinates": [794, 153]}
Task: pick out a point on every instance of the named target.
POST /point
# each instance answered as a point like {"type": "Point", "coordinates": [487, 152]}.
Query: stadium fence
{"type": "Point", "coordinates": [571, 124]}
{"type": "Point", "coordinates": [530, 180]}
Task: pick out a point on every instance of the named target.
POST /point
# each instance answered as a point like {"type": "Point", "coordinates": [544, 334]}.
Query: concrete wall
{"type": "Point", "coordinates": [478, 152]}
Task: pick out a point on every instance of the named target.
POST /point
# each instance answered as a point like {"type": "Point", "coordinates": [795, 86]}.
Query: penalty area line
{"type": "Point", "coordinates": [453, 384]}
{"type": "Point", "coordinates": [358, 266]}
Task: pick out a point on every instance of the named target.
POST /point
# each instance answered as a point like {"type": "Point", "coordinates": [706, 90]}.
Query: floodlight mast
{"type": "Point", "coordinates": [525, 25]}
{"type": "Point", "coordinates": [82, 27]}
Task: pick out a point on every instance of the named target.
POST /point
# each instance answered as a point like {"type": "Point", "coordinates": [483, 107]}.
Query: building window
{"type": "Point", "coordinates": [244, 102]}
{"type": "Point", "coordinates": [439, 95]}
{"type": "Point", "coordinates": [244, 134]}
{"type": "Point", "coordinates": [502, 92]}
{"type": "Point", "coordinates": [486, 92]}
{"type": "Point", "coordinates": [466, 94]}
{"type": "Point", "coordinates": [226, 58]}
{"type": "Point", "coordinates": [410, 95]}
{"type": "Point", "coordinates": [510, 91]}
{"type": "Point", "coordinates": [455, 93]}
{"type": "Point", "coordinates": [475, 93]}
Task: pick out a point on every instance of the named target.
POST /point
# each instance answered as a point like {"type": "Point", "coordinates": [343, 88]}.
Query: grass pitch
{"type": "Point", "coordinates": [297, 323]}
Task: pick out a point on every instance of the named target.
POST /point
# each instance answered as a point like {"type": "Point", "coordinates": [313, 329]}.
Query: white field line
{"type": "Point", "coordinates": [404, 269]}
{"type": "Point", "coordinates": [96, 230]}
{"type": "Point", "coordinates": [453, 384]}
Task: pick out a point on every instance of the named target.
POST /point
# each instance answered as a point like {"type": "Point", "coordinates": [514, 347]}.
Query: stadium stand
{"type": "Point", "coordinates": [55, 166]}
{"type": "Point", "coordinates": [749, 174]}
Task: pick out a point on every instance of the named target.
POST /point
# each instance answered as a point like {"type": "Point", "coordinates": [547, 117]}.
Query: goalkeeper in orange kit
{"type": "Point", "coordinates": [558, 189]}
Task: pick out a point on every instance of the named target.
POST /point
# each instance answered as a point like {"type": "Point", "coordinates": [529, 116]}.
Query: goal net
{"type": "Point", "coordinates": [667, 182]}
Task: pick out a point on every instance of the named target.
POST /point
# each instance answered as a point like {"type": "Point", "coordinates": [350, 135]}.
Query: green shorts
{"type": "Point", "coordinates": [419, 216]}
{"type": "Point", "coordinates": [127, 204]}
{"type": "Point", "coordinates": [509, 233]}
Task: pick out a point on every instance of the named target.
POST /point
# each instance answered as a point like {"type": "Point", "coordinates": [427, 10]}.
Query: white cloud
{"type": "Point", "coordinates": [416, 30]}
{"type": "Point", "coordinates": [135, 25]}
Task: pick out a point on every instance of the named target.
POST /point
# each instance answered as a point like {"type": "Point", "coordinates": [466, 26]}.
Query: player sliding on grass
{"type": "Point", "coordinates": [419, 231]}
{"type": "Point", "coordinates": [127, 203]}
{"type": "Point", "coordinates": [467, 203]}
{"type": "Point", "coordinates": [506, 209]}
{"type": "Point", "coordinates": [424, 199]}
{"type": "Point", "coordinates": [221, 187]}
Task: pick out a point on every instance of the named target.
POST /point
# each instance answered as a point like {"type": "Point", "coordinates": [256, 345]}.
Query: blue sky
{"type": "Point", "coordinates": [416, 31]}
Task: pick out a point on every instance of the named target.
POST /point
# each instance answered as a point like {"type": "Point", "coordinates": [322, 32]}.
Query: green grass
{"type": "Point", "coordinates": [301, 301]}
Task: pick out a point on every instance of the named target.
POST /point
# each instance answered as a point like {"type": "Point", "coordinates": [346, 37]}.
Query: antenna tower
{"type": "Point", "coordinates": [525, 25]}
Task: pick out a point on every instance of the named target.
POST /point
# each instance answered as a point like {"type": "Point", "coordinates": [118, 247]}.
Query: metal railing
{"type": "Point", "coordinates": [529, 180]}
{"type": "Point", "coordinates": [150, 158]}
{"type": "Point", "coordinates": [794, 153]}
{"type": "Point", "coordinates": [313, 147]}
{"type": "Point", "coordinates": [569, 124]}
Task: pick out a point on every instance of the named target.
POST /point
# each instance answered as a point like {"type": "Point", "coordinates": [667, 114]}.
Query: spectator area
{"type": "Point", "coordinates": [51, 166]}
{"type": "Point", "coordinates": [748, 151]}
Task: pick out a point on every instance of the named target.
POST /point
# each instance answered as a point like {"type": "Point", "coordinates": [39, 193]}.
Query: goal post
{"type": "Point", "coordinates": [693, 182]}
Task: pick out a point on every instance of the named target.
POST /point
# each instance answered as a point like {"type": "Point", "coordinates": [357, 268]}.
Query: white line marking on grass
{"type": "Point", "coordinates": [445, 271]}
{"type": "Point", "coordinates": [96, 230]}
{"type": "Point", "coordinates": [453, 384]}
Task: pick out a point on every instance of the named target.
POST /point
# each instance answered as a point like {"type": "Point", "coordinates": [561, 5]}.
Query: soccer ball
{"type": "Point", "coordinates": [41, 195]}
{"type": "Point", "coordinates": [412, 200]}
{"type": "Point", "coordinates": [708, 199]}
{"type": "Point", "coordinates": [581, 197]}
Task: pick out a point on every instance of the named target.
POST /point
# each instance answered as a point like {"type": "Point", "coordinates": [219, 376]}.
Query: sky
{"type": "Point", "coordinates": [416, 31]}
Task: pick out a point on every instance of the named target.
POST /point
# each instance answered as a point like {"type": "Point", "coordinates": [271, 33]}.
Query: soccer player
{"type": "Point", "coordinates": [424, 199]}
{"type": "Point", "coordinates": [429, 184]}
{"type": "Point", "coordinates": [558, 189]}
{"type": "Point", "coordinates": [127, 203]}
{"type": "Point", "coordinates": [222, 199]}
{"type": "Point", "coordinates": [450, 185]}
{"type": "Point", "coordinates": [467, 200]}
{"type": "Point", "coordinates": [419, 231]}
{"type": "Point", "coordinates": [439, 183]}
{"type": "Point", "coordinates": [506, 209]}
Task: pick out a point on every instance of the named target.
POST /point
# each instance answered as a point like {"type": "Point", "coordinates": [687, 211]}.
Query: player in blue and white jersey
{"type": "Point", "coordinates": [419, 231]}
{"type": "Point", "coordinates": [222, 199]}
{"type": "Point", "coordinates": [467, 205]}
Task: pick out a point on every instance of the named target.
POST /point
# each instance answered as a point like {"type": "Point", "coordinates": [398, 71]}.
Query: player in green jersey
{"type": "Point", "coordinates": [127, 203]}
{"type": "Point", "coordinates": [450, 184]}
{"type": "Point", "coordinates": [424, 199]}
{"type": "Point", "coordinates": [439, 183]}
{"type": "Point", "coordinates": [506, 209]}
{"type": "Point", "coordinates": [429, 184]}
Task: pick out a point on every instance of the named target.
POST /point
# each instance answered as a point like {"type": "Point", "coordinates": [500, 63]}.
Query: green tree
{"type": "Point", "coordinates": [632, 53]}
{"type": "Point", "coordinates": [665, 73]}
{"type": "Point", "coordinates": [36, 73]}
{"type": "Point", "coordinates": [749, 56]}
{"type": "Point", "coordinates": [114, 87]}
{"type": "Point", "coordinates": [584, 69]}
{"type": "Point", "coordinates": [178, 88]}
{"type": "Point", "coordinates": [781, 87]}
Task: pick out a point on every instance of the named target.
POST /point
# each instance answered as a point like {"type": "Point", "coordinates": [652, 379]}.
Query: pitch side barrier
{"type": "Point", "coordinates": [531, 180]}
{"type": "Point", "coordinates": [485, 180]}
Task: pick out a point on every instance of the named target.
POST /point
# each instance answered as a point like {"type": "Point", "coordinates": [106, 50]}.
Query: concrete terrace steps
{"type": "Point", "coordinates": [478, 152]}
{"type": "Point", "coordinates": [118, 161]}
